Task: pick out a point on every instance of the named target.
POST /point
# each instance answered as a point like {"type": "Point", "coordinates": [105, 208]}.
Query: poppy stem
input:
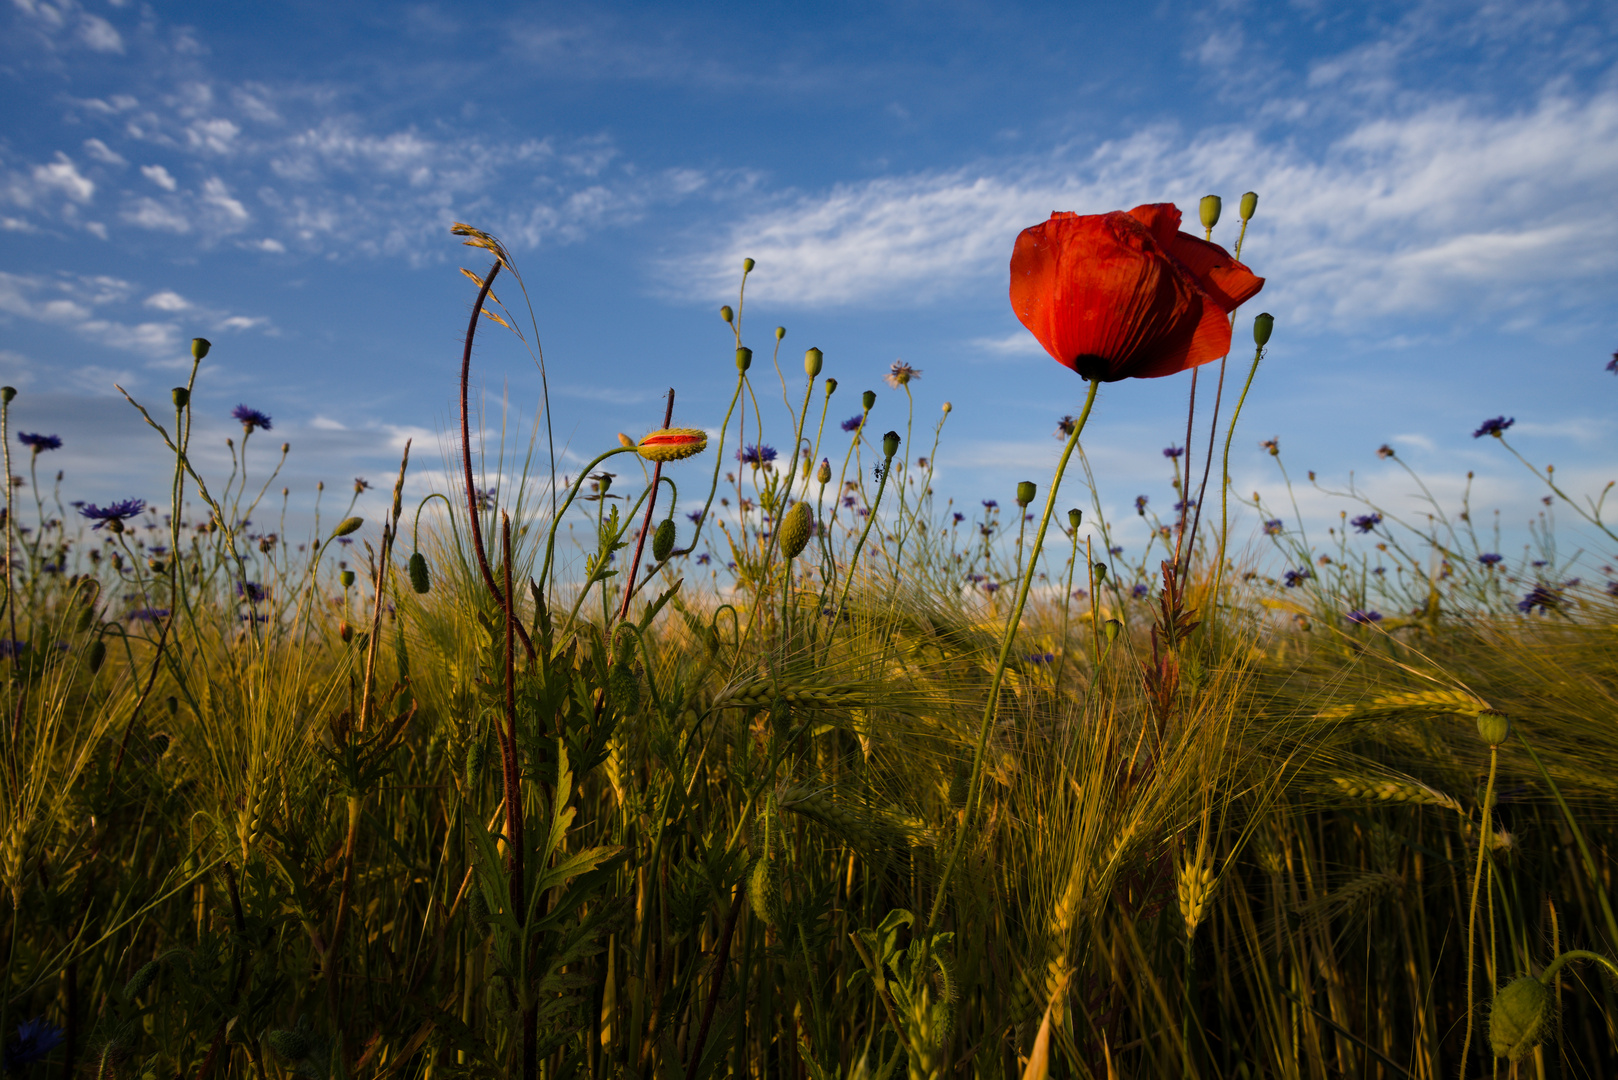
{"type": "Point", "coordinates": [1007, 639]}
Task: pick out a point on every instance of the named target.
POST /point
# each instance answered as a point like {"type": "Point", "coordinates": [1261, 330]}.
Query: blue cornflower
{"type": "Point", "coordinates": [252, 592]}
{"type": "Point", "coordinates": [1489, 558]}
{"type": "Point", "coordinates": [1115, 550]}
{"type": "Point", "coordinates": [1140, 505]}
{"type": "Point", "coordinates": [1612, 588]}
{"type": "Point", "coordinates": [1366, 522]}
{"type": "Point", "coordinates": [990, 586]}
{"type": "Point", "coordinates": [1139, 591]}
{"type": "Point", "coordinates": [958, 516]}
{"type": "Point", "coordinates": [990, 504]}
{"type": "Point", "coordinates": [704, 559]}
{"type": "Point", "coordinates": [148, 614]}
{"type": "Point", "coordinates": [1188, 504]}
{"type": "Point", "coordinates": [114, 515]}
{"type": "Point", "coordinates": [1496, 427]}
{"type": "Point", "coordinates": [251, 418]}
{"type": "Point", "coordinates": [39, 443]}
{"type": "Point", "coordinates": [1297, 577]}
{"type": "Point", "coordinates": [1542, 597]}
{"type": "Point", "coordinates": [33, 1040]}
{"type": "Point", "coordinates": [1364, 618]}
{"type": "Point", "coordinates": [1173, 451]}
{"type": "Point", "coordinates": [10, 647]}
{"type": "Point", "coordinates": [1274, 527]}
{"type": "Point", "coordinates": [853, 423]}
{"type": "Point", "coordinates": [1041, 658]}
{"type": "Point", "coordinates": [849, 501]}
{"type": "Point", "coordinates": [756, 455]}
{"type": "Point", "coordinates": [695, 517]}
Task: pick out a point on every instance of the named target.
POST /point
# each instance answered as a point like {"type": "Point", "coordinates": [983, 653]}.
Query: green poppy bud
{"type": "Point", "coordinates": [780, 332]}
{"type": "Point", "coordinates": [1111, 628]}
{"type": "Point", "coordinates": [200, 347]}
{"type": "Point", "coordinates": [141, 980]}
{"type": "Point", "coordinates": [1211, 205]}
{"type": "Point", "coordinates": [1519, 1017]}
{"type": "Point", "coordinates": [663, 539]}
{"type": "Point", "coordinates": [744, 358]}
{"type": "Point", "coordinates": [795, 530]}
{"type": "Point", "coordinates": [182, 397]}
{"type": "Point", "coordinates": [1101, 572]}
{"type": "Point", "coordinates": [172, 703]}
{"type": "Point", "coordinates": [764, 892]}
{"type": "Point", "coordinates": [98, 655]}
{"type": "Point", "coordinates": [1493, 727]}
{"type": "Point", "coordinates": [890, 444]}
{"type": "Point", "coordinates": [1074, 517]}
{"type": "Point", "coordinates": [813, 361]}
{"type": "Point", "coordinates": [289, 1046]}
{"type": "Point", "coordinates": [345, 631]}
{"type": "Point", "coordinates": [476, 756]}
{"type": "Point", "coordinates": [824, 472]}
{"type": "Point", "coordinates": [948, 408]}
{"type": "Point", "coordinates": [1249, 205]}
{"type": "Point", "coordinates": [747, 266]}
{"type": "Point", "coordinates": [623, 686]}
{"type": "Point", "coordinates": [347, 578]}
{"type": "Point", "coordinates": [868, 400]}
{"type": "Point", "coordinates": [419, 579]}
{"type": "Point", "coordinates": [831, 387]}
{"type": "Point", "coordinates": [727, 314]}
{"type": "Point", "coordinates": [7, 393]}
{"type": "Point", "coordinates": [157, 565]}
{"type": "Point", "coordinates": [1263, 325]}
{"type": "Point", "coordinates": [1026, 492]}
{"type": "Point", "coordinates": [348, 525]}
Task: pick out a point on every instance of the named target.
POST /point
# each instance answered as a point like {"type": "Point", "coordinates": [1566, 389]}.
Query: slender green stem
{"type": "Point", "coordinates": [1224, 486]}
{"type": "Point", "coordinates": [1577, 954]}
{"type": "Point", "coordinates": [1006, 640]}
{"type": "Point", "coordinates": [1485, 835]}
{"type": "Point", "coordinates": [853, 561]}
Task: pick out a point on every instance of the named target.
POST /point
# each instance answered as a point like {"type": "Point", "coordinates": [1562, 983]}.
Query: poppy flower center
{"type": "Point", "coordinates": [1090, 367]}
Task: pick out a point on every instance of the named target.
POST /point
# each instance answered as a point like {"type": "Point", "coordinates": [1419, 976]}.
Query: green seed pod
{"type": "Point", "coordinates": [1211, 205]}
{"type": "Point", "coordinates": [1263, 326]}
{"type": "Point", "coordinates": [200, 347]}
{"type": "Point", "coordinates": [1074, 518]}
{"type": "Point", "coordinates": [1519, 1017]}
{"type": "Point", "coordinates": [831, 387]}
{"type": "Point", "coordinates": [1111, 628]}
{"type": "Point", "coordinates": [7, 393]}
{"type": "Point", "coordinates": [813, 361]}
{"type": "Point", "coordinates": [347, 578]}
{"type": "Point", "coordinates": [868, 400]}
{"type": "Point", "coordinates": [141, 980]}
{"type": "Point", "coordinates": [290, 1046]}
{"type": "Point", "coordinates": [747, 266]}
{"type": "Point", "coordinates": [744, 358]}
{"type": "Point", "coordinates": [181, 396]}
{"type": "Point", "coordinates": [348, 525]}
{"type": "Point", "coordinates": [663, 540]}
{"type": "Point", "coordinates": [780, 332]}
{"type": "Point", "coordinates": [764, 892]}
{"type": "Point", "coordinates": [1249, 205]}
{"type": "Point", "coordinates": [1026, 492]}
{"type": "Point", "coordinates": [87, 615]}
{"type": "Point", "coordinates": [727, 314]}
{"type": "Point", "coordinates": [1101, 572]}
{"type": "Point", "coordinates": [795, 530]}
{"type": "Point", "coordinates": [1493, 727]}
{"type": "Point", "coordinates": [98, 655]}
{"type": "Point", "coordinates": [419, 579]}
{"type": "Point", "coordinates": [823, 474]}
{"type": "Point", "coordinates": [890, 443]}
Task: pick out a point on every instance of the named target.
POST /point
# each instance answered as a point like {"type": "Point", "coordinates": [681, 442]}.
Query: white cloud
{"type": "Point", "coordinates": [217, 195]}
{"type": "Point", "coordinates": [167, 300]}
{"type": "Point", "coordinates": [159, 176]}
{"type": "Point", "coordinates": [1020, 343]}
{"type": "Point", "coordinates": [99, 35]}
{"type": "Point", "coordinates": [90, 305]}
{"type": "Point", "coordinates": [64, 176]}
{"type": "Point", "coordinates": [151, 214]}
{"type": "Point", "coordinates": [103, 153]}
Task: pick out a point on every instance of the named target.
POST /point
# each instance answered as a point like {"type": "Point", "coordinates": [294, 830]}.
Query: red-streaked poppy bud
{"type": "Point", "coordinates": [672, 444]}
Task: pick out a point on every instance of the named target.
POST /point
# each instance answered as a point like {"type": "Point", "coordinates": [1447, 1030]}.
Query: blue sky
{"type": "Point", "coordinates": [1438, 221]}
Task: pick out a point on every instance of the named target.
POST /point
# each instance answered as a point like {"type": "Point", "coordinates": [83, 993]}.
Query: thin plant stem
{"type": "Point", "coordinates": [1485, 834]}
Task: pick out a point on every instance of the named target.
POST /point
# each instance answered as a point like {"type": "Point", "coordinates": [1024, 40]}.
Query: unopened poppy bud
{"type": "Point", "coordinates": [747, 266]}
{"type": "Point", "coordinates": [200, 347]}
{"type": "Point", "coordinates": [868, 399]}
{"type": "Point", "coordinates": [347, 578]}
{"type": "Point", "coordinates": [348, 525]}
{"type": "Point", "coordinates": [182, 397]}
{"type": "Point", "coordinates": [824, 473]}
{"type": "Point", "coordinates": [1111, 628]}
{"type": "Point", "coordinates": [663, 539]}
{"type": "Point", "coordinates": [345, 631]}
{"type": "Point", "coordinates": [157, 565]}
{"type": "Point", "coordinates": [98, 655]}
{"type": "Point", "coordinates": [780, 332]}
{"type": "Point", "coordinates": [890, 443]}
{"type": "Point", "coordinates": [1263, 326]}
{"type": "Point", "coordinates": [672, 444]}
{"type": "Point", "coordinates": [1101, 572]}
{"type": "Point", "coordinates": [744, 358]}
{"type": "Point", "coordinates": [813, 361]}
{"type": "Point", "coordinates": [419, 578]}
{"type": "Point", "coordinates": [1211, 205]}
{"type": "Point", "coordinates": [1519, 1017]}
{"type": "Point", "coordinates": [1074, 517]}
{"type": "Point", "coordinates": [795, 530]}
{"type": "Point", "coordinates": [727, 314]}
{"type": "Point", "coordinates": [1493, 727]}
{"type": "Point", "coordinates": [831, 387]}
{"type": "Point", "coordinates": [1026, 492]}
{"type": "Point", "coordinates": [625, 441]}
{"type": "Point", "coordinates": [1249, 205]}
{"type": "Point", "coordinates": [7, 393]}
{"type": "Point", "coordinates": [286, 448]}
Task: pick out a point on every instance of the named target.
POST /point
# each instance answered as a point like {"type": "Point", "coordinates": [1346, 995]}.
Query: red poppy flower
{"type": "Point", "coordinates": [1118, 296]}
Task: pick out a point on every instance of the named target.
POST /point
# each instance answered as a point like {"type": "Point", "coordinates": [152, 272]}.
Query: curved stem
{"type": "Point", "coordinates": [646, 523]}
{"type": "Point", "coordinates": [1224, 488]}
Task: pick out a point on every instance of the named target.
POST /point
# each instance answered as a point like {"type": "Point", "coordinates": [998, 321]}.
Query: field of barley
{"type": "Point", "coordinates": [832, 778]}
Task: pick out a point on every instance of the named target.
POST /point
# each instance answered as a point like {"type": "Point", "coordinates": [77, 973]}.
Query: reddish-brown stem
{"type": "Point", "coordinates": [466, 460]}
{"type": "Point", "coordinates": [646, 523]}
{"type": "Point", "coordinates": [514, 813]}
{"type": "Point", "coordinates": [1185, 477]}
{"type": "Point", "coordinates": [1207, 466]}
{"type": "Point", "coordinates": [721, 961]}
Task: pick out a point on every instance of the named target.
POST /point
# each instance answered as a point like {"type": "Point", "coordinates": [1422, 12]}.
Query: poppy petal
{"type": "Point", "coordinates": [1209, 341]}
{"type": "Point", "coordinates": [1229, 282]}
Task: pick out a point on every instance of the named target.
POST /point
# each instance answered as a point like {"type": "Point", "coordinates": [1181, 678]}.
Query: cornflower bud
{"type": "Point", "coordinates": [1026, 492]}
{"type": "Point", "coordinates": [200, 347]}
{"type": "Point", "coordinates": [182, 397]}
{"type": "Point", "coordinates": [744, 358]}
{"type": "Point", "coordinates": [868, 399]}
{"type": "Point", "coordinates": [1263, 325]}
{"type": "Point", "coordinates": [890, 444]}
{"type": "Point", "coordinates": [1211, 205]}
{"type": "Point", "coordinates": [1249, 205]}
{"type": "Point", "coordinates": [1074, 517]}
{"type": "Point", "coordinates": [813, 361]}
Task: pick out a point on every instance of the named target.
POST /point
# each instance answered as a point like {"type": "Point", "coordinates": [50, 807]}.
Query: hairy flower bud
{"type": "Point", "coordinates": [795, 530]}
{"type": "Point", "coordinates": [1211, 205]}
{"type": "Point", "coordinates": [419, 579]}
{"type": "Point", "coordinates": [890, 444]}
{"type": "Point", "coordinates": [744, 358]}
{"type": "Point", "coordinates": [663, 539]}
{"type": "Point", "coordinates": [98, 655]}
{"type": "Point", "coordinates": [1519, 1017]}
{"type": "Point", "coordinates": [1249, 205]}
{"type": "Point", "coordinates": [672, 444]}
{"type": "Point", "coordinates": [345, 631]}
{"type": "Point", "coordinates": [1026, 492]}
{"type": "Point", "coordinates": [200, 347]}
{"type": "Point", "coordinates": [1111, 628]}
{"type": "Point", "coordinates": [813, 361]}
{"type": "Point", "coordinates": [348, 525]}
{"type": "Point", "coordinates": [823, 474]}
{"type": "Point", "coordinates": [1263, 325]}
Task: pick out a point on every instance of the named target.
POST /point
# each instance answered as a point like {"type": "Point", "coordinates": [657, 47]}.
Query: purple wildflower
{"type": "Point", "coordinates": [252, 592]}
{"type": "Point", "coordinates": [990, 586]}
{"type": "Point", "coordinates": [958, 516]}
{"type": "Point", "coordinates": [704, 559]}
{"type": "Point", "coordinates": [39, 443]}
{"type": "Point", "coordinates": [1041, 658]}
{"type": "Point", "coordinates": [1115, 550]}
{"type": "Point", "coordinates": [1496, 427]}
{"type": "Point", "coordinates": [251, 418]}
{"type": "Point", "coordinates": [1188, 504]}
{"type": "Point", "coordinates": [1364, 618]}
{"type": "Point", "coordinates": [1274, 527]}
{"type": "Point", "coordinates": [853, 423]}
{"type": "Point", "coordinates": [1173, 451]}
{"type": "Point", "coordinates": [990, 504]}
{"type": "Point", "coordinates": [849, 501]}
{"type": "Point", "coordinates": [114, 515]}
{"type": "Point", "coordinates": [1366, 522]}
{"type": "Point", "coordinates": [32, 1041]}
{"type": "Point", "coordinates": [148, 614]}
{"type": "Point", "coordinates": [1139, 591]}
{"type": "Point", "coordinates": [1542, 597]}
{"type": "Point", "coordinates": [756, 455]}
{"type": "Point", "coordinates": [1489, 558]}
{"type": "Point", "coordinates": [1297, 577]}
{"type": "Point", "coordinates": [1612, 365]}
{"type": "Point", "coordinates": [1065, 426]}
{"type": "Point", "coordinates": [10, 647]}
{"type": "Point", "coordinates": [1140, 505]}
